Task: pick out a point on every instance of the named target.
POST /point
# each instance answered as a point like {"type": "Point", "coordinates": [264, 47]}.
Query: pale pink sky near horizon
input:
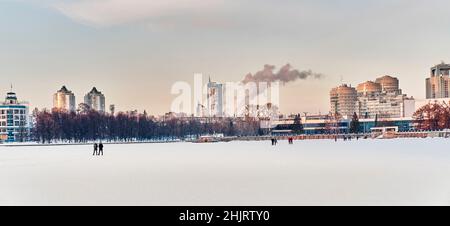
{"type": "Point", "coordinates": [134, 50]}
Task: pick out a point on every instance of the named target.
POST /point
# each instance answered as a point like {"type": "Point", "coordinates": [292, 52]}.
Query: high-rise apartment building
{"type": "Point", "coordinates": [95, 100]}
{"type": "Point", "coordinates": [343, 100]}
{"type": "Point", "coordinates": [64, 99]}
{"type": "Point", "coordinates": [382, 98]}
{"type": "Point", "coordinates": [437, 85]}
{"type": "Point", "coordinates": [389, 84]}
{"type": "Point", "coordinates": [384, 105]}
{"type": "Point", "coordinates": [214, 99]}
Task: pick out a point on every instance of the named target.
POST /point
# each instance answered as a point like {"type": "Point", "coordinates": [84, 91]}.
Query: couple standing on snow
{"type": "Point", "coordinates": [98, 149]}
{"type": "Point", "coordinates": [274, 141]}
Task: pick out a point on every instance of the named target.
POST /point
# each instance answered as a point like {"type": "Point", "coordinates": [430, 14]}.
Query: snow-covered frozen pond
{"type": "Point", "coordinates": [319, 172]}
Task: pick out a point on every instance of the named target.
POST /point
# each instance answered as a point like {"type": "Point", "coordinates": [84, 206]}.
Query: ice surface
{"type": "Point", "coordinates": [318, 172]}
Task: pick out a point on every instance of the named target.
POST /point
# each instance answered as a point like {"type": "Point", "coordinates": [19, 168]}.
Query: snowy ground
{"type": "Point", "coordinates": [319, 172]}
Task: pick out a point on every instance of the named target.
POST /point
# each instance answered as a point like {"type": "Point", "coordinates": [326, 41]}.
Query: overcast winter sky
{"type": "Point", "coordinates": [134, 50]}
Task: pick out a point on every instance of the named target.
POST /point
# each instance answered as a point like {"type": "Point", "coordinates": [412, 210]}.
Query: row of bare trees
{"type": "Point", "coordinates": [86, 126]}
{"type": "Point", "coordinates": [433, 116]}
{"type": "Point", "coordinates": [51, 126]}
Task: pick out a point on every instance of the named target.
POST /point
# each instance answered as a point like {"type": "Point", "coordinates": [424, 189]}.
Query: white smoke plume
{"type": "Point", "coordinates": [285, 75]}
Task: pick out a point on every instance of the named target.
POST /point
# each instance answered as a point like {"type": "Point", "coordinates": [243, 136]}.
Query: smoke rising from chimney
{"type": "Point", "coordinates": [285, 75]}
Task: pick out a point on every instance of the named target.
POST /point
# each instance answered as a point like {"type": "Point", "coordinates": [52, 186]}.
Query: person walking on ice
{"type": "Point", "coordinates": [95, 149]}
{"type": "Point", "coordinates": [100, 146]}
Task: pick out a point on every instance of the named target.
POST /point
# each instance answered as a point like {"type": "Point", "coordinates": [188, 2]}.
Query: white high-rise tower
{"type": "Point", "coordinates": [215, 99]}
{"type": "Point", "coordinates": [95, 100]}
{"type": "Point", "coordinates": [64, 99]}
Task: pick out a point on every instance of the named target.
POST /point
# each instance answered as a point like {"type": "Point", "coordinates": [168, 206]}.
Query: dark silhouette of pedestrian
{"type": "Point", "coordinates": [291, 140]}
{"type": "Point", "coordinates": [100, 146]}
{"type": "Point", "coordinates": [95, 149]}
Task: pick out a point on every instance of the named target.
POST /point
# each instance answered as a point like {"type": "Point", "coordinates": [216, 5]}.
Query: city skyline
{"type": "Point", "coordinates": [95, 99]}
{"type": "Point", "coordinates": [47, 44]}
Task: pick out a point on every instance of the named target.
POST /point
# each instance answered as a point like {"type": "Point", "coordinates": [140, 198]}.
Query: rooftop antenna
{"type": "Point", "coordinates": [342, 79]}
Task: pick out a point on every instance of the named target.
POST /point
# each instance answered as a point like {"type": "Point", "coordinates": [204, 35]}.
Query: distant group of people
{"type": "Point", "coordinates": [349, 138]}
{"type": "Point", "coordinates": [274, 141]}
{"type": "Point", "coordinates": [291, 140]}
{"type": "Point", "coordinates": [98, 149]}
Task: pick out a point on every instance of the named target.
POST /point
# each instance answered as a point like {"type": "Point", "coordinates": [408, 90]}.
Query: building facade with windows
{"type": "Point", "coordinates": [380, 99]}
{"type": "Point", "coordinates": [437, 85]}
{"type": "Point", "coordinates": [323, 124]}
{"type": "Point", "coordinates": [389, 84]}
{"type": "Point", "coordinates": [383, 99]}
{"type": "Point", "coordinates": [14, 120]}
{"type": "Point", "coordinates": [385, 106]}
{"type": "Point", "coordinates": [343, 100]}
{"type": "Point", "coordinates": [95, 100]}
{"type": "Point", "coordinates": [64, 99]}
{"type": "Point", "coordinates": [214, 99]}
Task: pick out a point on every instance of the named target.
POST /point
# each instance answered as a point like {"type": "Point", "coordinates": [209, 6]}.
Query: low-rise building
{"type": "Point", "coordinates": [325, 124]}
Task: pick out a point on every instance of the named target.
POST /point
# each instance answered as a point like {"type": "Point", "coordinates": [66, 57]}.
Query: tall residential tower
{"type": "Point", "coordinates": [215, 99]}
{"type": "Point", "coordinates": [95, 100]}
{"type": "Point", "coordinates": [437, 85]}
{"type": "Point", "coordinates": [64, 99]}
{"type": "Point", "coordinates": [343, 100]}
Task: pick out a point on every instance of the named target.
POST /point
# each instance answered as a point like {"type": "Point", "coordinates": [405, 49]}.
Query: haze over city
{"type": "Point", "coordinates": [133, 51]}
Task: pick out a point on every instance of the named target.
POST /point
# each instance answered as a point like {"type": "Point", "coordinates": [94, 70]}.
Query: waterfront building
{"type": "Point", "coordinates": [389, 84]}
{"type": "Point", "coordinates": [382, 98]}
{"type": "Point", "coordinates": [437, 85]}
{"type": "Point", "coordinates": [385, 105]}
{"type": "Point", "coordinates": [325, 124]}
{"type": "Point", "coordinates": [64, 99]}
{"type": "Point", "coordinates": [369, 88]}
{"type": "Point", "coordinates": [14, 119]}
{"type": "Point", "coordinates": [343, 100]}
{"type": "Point", "coordinates": [95, 100]}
